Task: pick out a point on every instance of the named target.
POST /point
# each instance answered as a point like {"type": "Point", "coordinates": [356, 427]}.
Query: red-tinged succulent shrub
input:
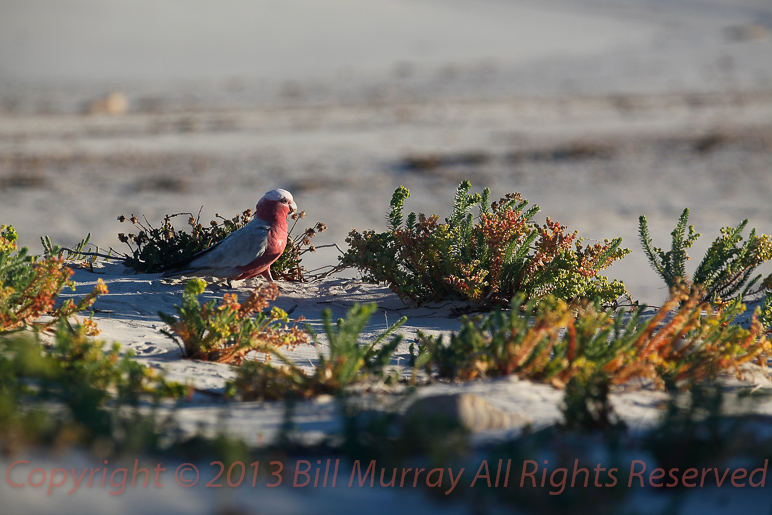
{"type": "Point", "coordinates": [29, 287]}
{"type": "Point", "coordinates": [687, 341]}
{"type": "Point", "coordinates": [228, 331]}
{"type": "Point", "coordinates": [487, 260]}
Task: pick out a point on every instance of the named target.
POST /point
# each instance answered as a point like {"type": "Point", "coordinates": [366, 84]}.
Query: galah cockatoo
{"type": "Point", "coordinates": [251, 250]}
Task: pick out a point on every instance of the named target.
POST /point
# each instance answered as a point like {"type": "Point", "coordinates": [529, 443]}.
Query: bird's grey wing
{"type": "Point", "coordinates": [238, 249]}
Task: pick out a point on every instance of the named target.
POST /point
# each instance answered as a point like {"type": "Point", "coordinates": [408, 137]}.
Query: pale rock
{"type": "Point", "coordinates": [471, 412]}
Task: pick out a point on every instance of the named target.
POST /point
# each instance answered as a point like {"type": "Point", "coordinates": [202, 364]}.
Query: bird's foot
{"type": "Point", "coordinates": [221, 284]}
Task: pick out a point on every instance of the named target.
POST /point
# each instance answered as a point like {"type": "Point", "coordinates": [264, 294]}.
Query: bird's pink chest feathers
{"type": "Point", "coordinates": [276, 242]}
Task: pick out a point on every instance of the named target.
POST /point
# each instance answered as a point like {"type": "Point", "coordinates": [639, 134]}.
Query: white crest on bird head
{"type": "Point", "coordinates": [279, 195]}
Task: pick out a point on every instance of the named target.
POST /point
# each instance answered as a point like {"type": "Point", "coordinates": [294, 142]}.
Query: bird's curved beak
{"type": "Point", "coordinates": [293, 208]}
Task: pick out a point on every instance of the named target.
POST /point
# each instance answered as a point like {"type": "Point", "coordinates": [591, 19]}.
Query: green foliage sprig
{"type": "Point", "coordinates": [228, 331]}
{"type": "Point", "coordinates": [81, 251]}
{"type": "Point", "coordinates": [487, 260]}
{"type": "Point", "coordinates": [349, 360]}
{"type": "Point", "coordinates": [686, 340]}
{"type": "Point", "coordinates": [726, 271]}
{"type": "Point", "coordinates": [348, 357]}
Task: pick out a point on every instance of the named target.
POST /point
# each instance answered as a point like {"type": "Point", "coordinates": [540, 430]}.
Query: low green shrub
{"type": "Point", "coordinates": [155, 248]}
{"type": "Point", "coordinates": [726, 271]}
{"type": "Point", "coordinates": [88, 384]}
{"type": "Point", "coordinates": [489, 260]}
{"type": "Point", "coordinates": [228, 331]}
{"type": "Point", "coordinates": [349, 360]}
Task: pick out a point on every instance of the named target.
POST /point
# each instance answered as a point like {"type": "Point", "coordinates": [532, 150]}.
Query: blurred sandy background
{"type": "Point", "coordinates": [597, 110]}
